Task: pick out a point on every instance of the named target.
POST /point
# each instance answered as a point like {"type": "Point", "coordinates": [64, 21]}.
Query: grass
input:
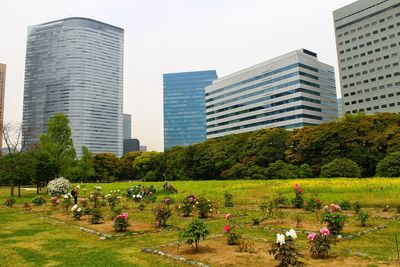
{"type": "Point", "coordinates": [29, 239]}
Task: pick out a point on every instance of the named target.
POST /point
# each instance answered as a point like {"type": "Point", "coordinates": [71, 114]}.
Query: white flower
{"type": "Point", "coordinates": [79, 210]}
{"type": "Point", "coordinates": [291, 233]}
{"type": "Point", "coordinates": [280, 239]}
{"type": "Point", "coordinates": [74, 207]}
{"type": "Point", "coordinates": [66, 196]}
{"type": "Point", "coordinates": [109, 195]}
{"type": "Point", "coordinates": [210, 210]}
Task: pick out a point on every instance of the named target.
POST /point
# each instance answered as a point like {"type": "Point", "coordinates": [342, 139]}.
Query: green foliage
{"type": "Point", "coordinates": [193, 233]}
{"type": "Point", "coordinates": [298, 201]}
{"type": "Point", "coordinates": [82, 170]}
{"type": "Point", "coordinates": [362, 217]}
{"type": "Point", "coordinates": [389, 166]}
{"type": "Point", "coordinates": [187, 205]}
{"type": "Point", "coordinates": [320, 245]}
{"type": "Point", "coordinates": [340, 168]}
{"type": "Point", "coordinates": [305, 171]}
{"type": "Point", "coordinates": [281, 170]}
{"type": "Point", "coordinates": [149, 166]}
{"type": "Point", "coordinates": [334, 217]}
{"type": "Point", "coordinates": [228, 200]}
{"type": "Point", "coordinates": [57, 142]}
{"type": "Point", "coordinates": [126, 171]}
{"type": "Point", "coordinates": [9, 202]}
{"type": "Point", "coordinates": [313, 204]}
{"type": "Point", "coordinates": [345, 205]}
{"type": "Point", "coordinates": [38, 201]}
{"type": "Point", "coordinates": [96, 216]}
{"type": "Point", "coordinates": [121, 222]}
{"type": "Point", "coordinates": [357, 206]}
{"type": "Point", "coordinates": [203, 207]}
{"type": "Point", "coordinates": [161, 214]}
{"type": "Point", "coordinates": [287, 253]}
{"type": "Point", "coordinates": [106, 167]}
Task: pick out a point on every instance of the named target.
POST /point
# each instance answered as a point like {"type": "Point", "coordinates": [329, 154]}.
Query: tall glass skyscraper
{"type": "Point", "coordinates": [74, 66]}
{"type": "Point", "coordinates": [184, 108]}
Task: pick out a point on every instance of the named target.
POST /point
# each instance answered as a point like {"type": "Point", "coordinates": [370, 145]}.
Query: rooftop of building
{"type": "Point", "coordinates": [77, 18]}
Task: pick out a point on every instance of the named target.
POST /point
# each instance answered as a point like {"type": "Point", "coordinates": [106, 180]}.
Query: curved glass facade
{"type": "Point", "coordinates": [74, 66]}
{"type": "Point", "coordinates": [184, 107]}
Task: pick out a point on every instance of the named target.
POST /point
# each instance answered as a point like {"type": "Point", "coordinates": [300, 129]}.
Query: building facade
{"type": "Point", "coordinates": [131, 145]}
{"type": "Point", "coordinates": [184, 111]}
{"type": "Point", "coordinates": [290, 91]}
{"type": "Point", "coordinates": [127, 126]}
{"type": "Point", "coordinates": [74, 66]}
{"type": "Point", "coordinates": [368, 48]}
{"type": "Point", "coordinates": [2, 93]}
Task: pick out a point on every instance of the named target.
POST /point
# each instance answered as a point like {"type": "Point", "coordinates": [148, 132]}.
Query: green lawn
{"type": "Point", "coordinates": [30, 239]}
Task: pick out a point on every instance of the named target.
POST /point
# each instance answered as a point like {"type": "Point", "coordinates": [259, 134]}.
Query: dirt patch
{"type": "Point", "coordinates": [105, 226]}
{"type": "Point", "coordinates": [216, 252]}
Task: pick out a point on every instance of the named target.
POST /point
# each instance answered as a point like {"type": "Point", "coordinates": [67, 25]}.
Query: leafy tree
{"type": "Point", "coordinates": [237, 171]}
{"type": "Point", "coordinates": [281, 170]}
{"type": "Point", "coordinates": [305, 171]}
{"type": "Point", "coordinates": [149, 166]}
{"type": "Point", "coordinates": [57, 142]}
{"type": "Point", "coordinates": [106, 167]}
{"type": "Point", "coordinates": [193, 233]}
{"type": "Point", "coordinates": [46, 168]}
{"type": "Point", "coordinates": [82, 169]}
{"type": "Point", "coordinates": [341, 168]}
{"type": "Point", "coordinates": [126, 171]}
{"type": "Point", "coordinates": [389, 166]}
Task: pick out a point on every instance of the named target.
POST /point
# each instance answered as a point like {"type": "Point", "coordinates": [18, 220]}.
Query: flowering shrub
{"type": "Point", "coordinates": [285, 250]}
{"type": "Point", "coordinates": [38, 201]}
{"type": "Point", "coordinates": [357, 206]}
{"type": "Point", "coordinates": [84, 202]}
{"type": "Point", "coordinates": [96, 216]}
{"type": "Point", "coordinates": [121, 222]}
{"type": "Point", "coordinates": [76, 212]}
{"type": "Point", "coordinates": [54, 201]}
{"type": "Point", "coordinates": [162, 213]}
{"type": "Point", "coordinates": [193, 233]}
{"type": "Point", "coordinates": [228, 200]}
{"type": "Point", "coordinates": [113, 198]}
{"type": "Point", "coordinates": [9, 202]}
{"type": "Point", "coordinates": [204, 207]}
{"type": "Point", "coordinates": [334, 217]}
{"type": "Point", "coordinates": [67, 202]}
{"type": "Point", "coordinates": [363, 217]}
{"type": "Point", "coordinates": [169, 188]}
{"type": "Point", "coordinates": [229, 229]}
{"type": "Point", "coordinates": [58, 186]}
{"type": "Point", "coordinates": [313, 203]}
{"type": "Point", "coordinates": [139, 193]}
{"type": "Point", "coordinates": [345, 205]}
{"type": "Point", "coordinates": [320, 243]}
{"type": "Point", "coordinates": [168, 201]}
{"type": "Point", "coordinates": [96, 196]}
{"type": "Point", "coordinates": [298, 201]}
{"type": "Point", "coordinates": [187, 205]}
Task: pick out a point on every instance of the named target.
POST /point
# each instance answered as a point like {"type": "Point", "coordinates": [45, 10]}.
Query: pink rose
{"type": "Point", "coordinates": [227, 228]}
{"type": "Point", "coordinates": [324, 231]}
{"type": "Point", "coordinates": [228, 216]}
{"type": "Point", "coordinates": [122, 216]}
{"type": "Point", "coordinates": [311, 236]}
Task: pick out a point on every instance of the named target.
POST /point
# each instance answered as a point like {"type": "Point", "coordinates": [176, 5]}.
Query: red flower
{"type": "Point", "coordinates": [228, 216]}
{"type": "Point", "coordinates": [122, 216]}
{"type": "Point", "coordinates": [227, 228]}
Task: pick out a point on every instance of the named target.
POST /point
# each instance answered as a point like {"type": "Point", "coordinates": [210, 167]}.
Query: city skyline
{"type": "Point", "coordinates": [177, 36]}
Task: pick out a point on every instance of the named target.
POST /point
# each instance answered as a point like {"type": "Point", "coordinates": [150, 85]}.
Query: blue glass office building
{"type": "Point", "coordinates": [184, 107]}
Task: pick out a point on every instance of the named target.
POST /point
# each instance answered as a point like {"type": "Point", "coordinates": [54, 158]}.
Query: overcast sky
{"type": "Point", "coordinates": [172, 36]}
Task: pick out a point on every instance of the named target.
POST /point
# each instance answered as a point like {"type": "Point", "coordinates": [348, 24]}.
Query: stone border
{"type": "Point", "coordinates": [170, 256]}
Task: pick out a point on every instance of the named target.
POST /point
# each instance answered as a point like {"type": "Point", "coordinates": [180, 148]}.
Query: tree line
{"type": "Point", "coordinates": [353, 146]}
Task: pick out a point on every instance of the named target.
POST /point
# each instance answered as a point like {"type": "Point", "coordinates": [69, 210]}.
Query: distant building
{"type": "Point", "coordinates": [340, 107]}
{"type": "Point", "coordinates": [290, 91]}
{"type": "Point", "coordinates": [74, 66]}
{"type": "Point", "coordinates": [143, 148]}
{"type": "Point", "coordinates": [131, 145]}
{"type": "Point", "coordinates": [2, 92]}
{"type": "Point", "coordinates": [368, 49]}
{"type": "Point", "coordinates": [184, 113]}
{"type": "Point", "coordinates": [127, 126]}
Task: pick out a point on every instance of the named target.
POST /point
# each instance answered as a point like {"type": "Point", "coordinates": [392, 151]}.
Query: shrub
{"type": "Point", "coordinates": [320, 243]}
{"type": "Point", "coordinates": [67, 202]}
{"type": "Point", "coordinates": [298, 201]}
{"type": "Point", "coordinates": [204, 207]}
{"type": "Point", "coordinates": [141, 206]}
{"type": "Point", "coordinates": [97, 197]}
{"type": "Point", "coordinates": [334, 217]}
{"type": "Point", "coordinates": [121, 222]}
{"type": "Point", "coordinates": [96, 216]}
{"type": "Point", "coordinates": [305, 171]}
{"type": "Point", "coordinates": [187, 205]}
{"type": "Point", "coordinates": [228, 200]}
{"type": "Point", "coordinates": [168, 201]}
{"type": "Point", "coordinates": [341, 168]}
{"type": "Point", "coordinates": [169, 188]}
{"type": "Point", "coordinates": [38, 201]}
{"type": "Point", "coordinates": [162, 213]}
{"type": "Point", "coordinates": [281, 170]}
{"type": "Point", "coordinates": [246, 246]}
{"type": "Point", "coordinates": [58, 186]}
{"type": "Point", "coordinates": [26, 206]}
{"type": "Point", "coordinates": [9, 202]}
{"type": "Point", "coordinates": [357, 206]}
{"type": "Point", "coordinates": [345, 205]}
{"type": "Point", "coordinates": [313, 203]}
{"type": "Point", "coordinates": [193, 233]}
{"type": "Point", "coordinates": [281, 201]}
{"type": "Point", "coordinates": [285, 250]}
{"type": "Point", "coordinates": [113, 198]}
{"type": "Point", "coordinates": [54, 201]}
{"type": "Point", "coordinates": [389, 166]}
{"type": "Point", "coordinates": [84, 202]}
{"type": "Point", "coordinates": [229, 229]}
{"type": "Point", "coordinates": [76, 212]}
{"type": "Point", "coordinates": [139, 193]}
{"type": "Point", "coordinates": [362, 217]}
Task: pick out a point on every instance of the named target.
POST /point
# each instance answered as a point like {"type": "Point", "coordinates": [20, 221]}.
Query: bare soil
{"type": "Point", "coordinates": [105, 226]}
{"type": "Point", "coordinates": [216, 252]}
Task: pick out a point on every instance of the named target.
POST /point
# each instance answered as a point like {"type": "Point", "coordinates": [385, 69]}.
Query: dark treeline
{"type": "Point", "coordinates": [353, 146]}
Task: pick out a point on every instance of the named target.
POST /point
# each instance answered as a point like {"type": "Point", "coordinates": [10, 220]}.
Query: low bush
{"type": "Point", "coordinates": [334, 217]}
{"type": "Point", "coordinates": [320, 243]}
{"type": "Point", "coordinates": [9, 202]}
{"type": "Point", "coordinates": [121, 222]}
{"type": "Point", "coordinates": [228, 200]}
{"type": "Point", "coordinates": [96, 216]}
{"type": "Point", "coordinates": [38, 201]}
{"type": "Point", "coordinates": [203, 207]}
{"type": "Point", "coordinates": [341, 168]}
{"type": "Point", "coordinates": [285, 250]}
{"type": "Point", "coordinates": [389, 166]}
{"type": "Point", "coordinates": [161, 214]}
{"type": "Point", "coordinates": [363, 217]}
{"type": "Point", "coordinates": [193, 233]}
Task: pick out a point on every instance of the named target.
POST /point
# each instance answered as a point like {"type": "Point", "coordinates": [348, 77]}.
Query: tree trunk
{"type": "Point", "coordinates": [12, 190]}
{"type": "Point", "coordinates": [19, 190]}
{"type": "Point", "coordinates": [37, 188]}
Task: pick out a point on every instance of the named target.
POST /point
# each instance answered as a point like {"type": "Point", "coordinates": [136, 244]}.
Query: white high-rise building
{"type": "Point", "coordinates": [290, 91]}
{"type": "Point", "coordinates": [368, 48]}
{"type": "Point", "coordinates": [74, 66]}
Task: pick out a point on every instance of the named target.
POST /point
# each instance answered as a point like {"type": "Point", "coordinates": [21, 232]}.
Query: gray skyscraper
{"type": "Point", "coordinates": [127, 124]}
{"type": "Point", "coordinates": [74, 66]}
{"type": "Point", "coordinates": [2, 92]}
{"type": "Point", "coordinates": [368, 48]}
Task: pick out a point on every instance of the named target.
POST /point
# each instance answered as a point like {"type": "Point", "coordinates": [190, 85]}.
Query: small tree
{"type": "Point", "coordinates": [193, 233]}
{"type": "Point", "coordinates": [281, 170]}
{"type": "Point", "coordinates": [341, 168]}
{"type": "Point", "coordinates": [305, 171]}
{"type": "Point", "coordinates": [389, 166]}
